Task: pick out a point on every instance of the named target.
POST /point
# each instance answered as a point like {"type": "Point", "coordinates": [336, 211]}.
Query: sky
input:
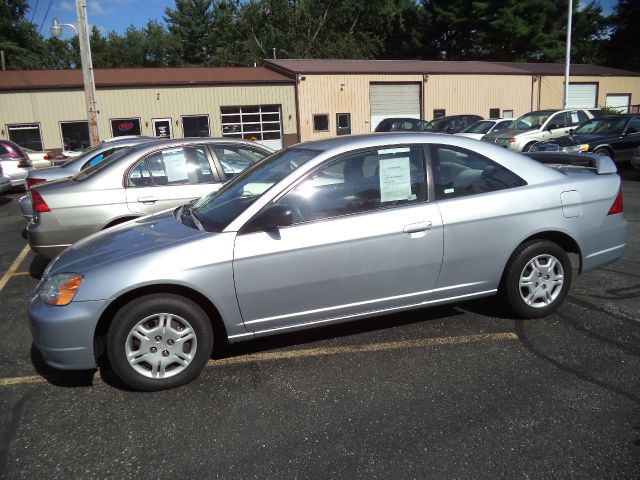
{"type": "Point", "coordinates": [117, 15]}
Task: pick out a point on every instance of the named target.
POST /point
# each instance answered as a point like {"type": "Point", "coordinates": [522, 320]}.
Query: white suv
{"type": "Point", "coordinates": [538, 126]}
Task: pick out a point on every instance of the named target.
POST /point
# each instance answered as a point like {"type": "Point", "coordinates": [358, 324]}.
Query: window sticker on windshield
{"type": "Point", "coordinates": [391, 151]}
{"type": "Point", "coordinates": [395, 179]}
{"type": "Point", "coordinates": [176, 168]}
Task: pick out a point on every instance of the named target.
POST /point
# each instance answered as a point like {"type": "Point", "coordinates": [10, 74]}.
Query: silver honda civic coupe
{"type": "Point", "coordinates": [135, 181]}
{"type": "Point", "coordinates": [321, 233]}
{"type": "Point", "coordinates": [73, 166]}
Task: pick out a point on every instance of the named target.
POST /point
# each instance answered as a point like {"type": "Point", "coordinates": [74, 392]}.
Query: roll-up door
{"type": "Point", "coordinates": [619, 101]}
{"type": "Point", "coordinates": [582, 95]}
{"type": "Point", "coordinates": [396, 100]}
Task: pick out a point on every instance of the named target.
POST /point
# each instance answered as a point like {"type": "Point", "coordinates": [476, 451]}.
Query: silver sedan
{"type": "Point", "coordinates": [326, 232]}
{"type": "Point", "coordinates": [133, 182]}
{"type": "Point", "coordinates": [73, 166]}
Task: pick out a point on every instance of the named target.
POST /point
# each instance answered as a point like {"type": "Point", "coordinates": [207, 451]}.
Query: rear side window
{"type": "Point", "coordinates": [175, 166]}
{"type": "Point", "coordinates": [459, 172]}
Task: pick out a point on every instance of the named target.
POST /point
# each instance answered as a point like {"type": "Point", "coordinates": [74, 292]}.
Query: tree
{"type": "Point", "coordinates": [622, 49]}
{"type": "Point", "coordinates": [191, 22]}
{"type": "Point", "coordinates": [24, 47]}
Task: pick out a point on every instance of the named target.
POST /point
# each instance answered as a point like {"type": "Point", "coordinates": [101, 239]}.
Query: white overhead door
{"type": "Point", "coordinates": [393, 100]}
{"type": "Point", "coordinates": [582, 95]}
{"type": "Point", "coordinates": [619, 101]}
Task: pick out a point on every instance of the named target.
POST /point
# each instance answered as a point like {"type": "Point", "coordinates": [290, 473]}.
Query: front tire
{"type": "Point", "coordinates": [537, 278]}
{"type": "Point", "coordinates": [159, 341]}
{"type": "Point", "coordinates": [528, 146]}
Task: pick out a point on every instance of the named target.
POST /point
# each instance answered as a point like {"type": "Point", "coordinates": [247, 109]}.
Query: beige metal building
{"type": "Point", "coordinates": [287, 101]}
{"type": "Point", "coordinates": [47, 109]}
{"type": "Point", "coordinates": [351, 96]}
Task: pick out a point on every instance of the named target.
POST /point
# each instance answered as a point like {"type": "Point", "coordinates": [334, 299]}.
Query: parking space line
{"type": "Point", "coordinates": [14, 267]}
{"type": "Point", "coordinates": [303, 353]}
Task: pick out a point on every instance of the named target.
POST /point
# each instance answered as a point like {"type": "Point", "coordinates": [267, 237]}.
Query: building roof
{"type": "Point", "coordinates": [139, 77]}
{"type": "Point", "coordinates": [292, 67]}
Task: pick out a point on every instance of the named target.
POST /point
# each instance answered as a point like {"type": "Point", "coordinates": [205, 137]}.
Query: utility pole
{"type": "Point", "coordinates": [87, 72]}
{"type": "Point", "coordinates": [567, 62]}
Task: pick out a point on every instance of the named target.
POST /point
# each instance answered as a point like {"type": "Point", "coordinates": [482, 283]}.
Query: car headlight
{"type": "Point", "coordinates": [576, 148]}
{"type": "Point", "coordinates": [60, 288]}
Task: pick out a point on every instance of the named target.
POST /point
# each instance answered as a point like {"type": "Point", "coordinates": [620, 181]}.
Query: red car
{"type": "Point", "coordinates": [15, 162]}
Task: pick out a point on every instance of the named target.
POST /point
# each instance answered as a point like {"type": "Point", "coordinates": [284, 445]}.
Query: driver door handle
{"type": "Point", "coordinates": [147, 200]}
{"type": "Point", "coordinates": [417, 227]}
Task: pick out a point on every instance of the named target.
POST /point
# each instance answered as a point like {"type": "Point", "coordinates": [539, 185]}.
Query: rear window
{"type": "Point", "coordinates": [93, 169]}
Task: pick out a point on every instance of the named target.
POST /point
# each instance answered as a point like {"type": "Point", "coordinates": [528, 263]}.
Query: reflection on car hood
{"type": "Point", "coordinates": [131, 238]}
{"type": "Point", "coordinates": [504, 133]}
{"type": "Point", "coordinates": [578, 139]}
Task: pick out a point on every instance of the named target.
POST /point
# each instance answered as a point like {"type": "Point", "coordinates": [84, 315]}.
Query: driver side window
{"type": "Point", "coordinates": [359, 183]}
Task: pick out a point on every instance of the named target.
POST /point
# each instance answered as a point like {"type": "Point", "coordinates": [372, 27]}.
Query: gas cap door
{"type": "Point", "coordinates": [571, 203]}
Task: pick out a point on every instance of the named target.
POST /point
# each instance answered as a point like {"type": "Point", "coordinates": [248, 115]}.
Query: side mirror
{"type": "Point", "coordinates": [630, 131]}
{"type": "Point", "coordinates": [449, 130]}
{"type": "Point", "coordinates": [552, 126]}
{"type": "Point", "coordinates": [272, 218]}
{"type": "Point", "coordinates": [571, 131]}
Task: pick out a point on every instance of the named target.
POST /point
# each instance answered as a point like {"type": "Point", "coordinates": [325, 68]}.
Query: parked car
{"type": "Point", "coordinates": [482, 127]}
{"type": "Point", "coordinates": [5, 182]}
{"type": "Point", "coordinates": [616, 136]}
{"type": "Point", "coordinates": [538, 126]}
{"type": "Point", "coordinates": [74, 165]}
{"type": "Point", "coordinates": [39, 159]}
{"type": "Point", "coordinates": [133, 182]}
{"type": "Point", "coordinates": [15, 162]}
{"type": "Point", "coordinates": [451, 124]}
{"type": "Point", "coordinates": [635, 158]}
{"type": "Point", "coordinates": [401, 125]}
{"type": "Point", "coordinates": [321, 233]}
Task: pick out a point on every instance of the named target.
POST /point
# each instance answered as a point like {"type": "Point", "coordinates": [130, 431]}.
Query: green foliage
{"type": "Point", "coordinates": [244, 32]}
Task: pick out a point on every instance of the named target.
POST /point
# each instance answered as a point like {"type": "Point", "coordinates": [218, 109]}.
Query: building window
{"type": "Point", "coordinates": [507, 114]}
{"type": "Point", "coordinates": [257, 123]}
{"type": "Point", "coordinates": [619, 101]}
{"type": "Point", "coordinates": [161, 127]}
{"type": "Point", "coordinates": [26, 135]}
{"type": "Point", "coordinates": [75, 135]}
{"type": "Point", "coordinates": [125, 126]}
{"type": "Point", "coordinates": [343, 124]}
{"type": "Point", "coordinates": [195, 126]}
{"type": "Point", "coordinates": [494, 113]}
{"type": "Point", "coordinates": [439, 113]}
{"type": "Point", "coordinates": [321, 123]}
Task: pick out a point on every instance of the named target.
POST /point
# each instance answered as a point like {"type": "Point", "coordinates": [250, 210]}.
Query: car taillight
{"type": "Point", "coordinates": [512, 140]}
{"type": "Point", "coordinates": [38, 203]}
{"type": "Point", "coordinates": [24, 163]}
{"type": "Point", "coordinates": [30, 182]}
{"type": "Point", "coordinates": [617, 204]}
{"type": "Point", "coordinates": [47, 156]}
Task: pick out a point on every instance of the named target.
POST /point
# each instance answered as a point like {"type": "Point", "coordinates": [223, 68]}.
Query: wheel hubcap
{"type": "Point", "coordinates": [161, 345]}
{"type": "Point", "coordinates": [541, 281]}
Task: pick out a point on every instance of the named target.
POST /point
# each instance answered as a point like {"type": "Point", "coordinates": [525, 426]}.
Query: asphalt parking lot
{"type": "Point", "coordinates": [461, 391]}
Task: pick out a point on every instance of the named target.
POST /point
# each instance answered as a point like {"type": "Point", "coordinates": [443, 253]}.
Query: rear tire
{"type": "Point", "coordinates": [159, 341]}
{"type": "Point", "coordinates": [536, 279]}
{"type": "Point", "coordinates": [528, 146]}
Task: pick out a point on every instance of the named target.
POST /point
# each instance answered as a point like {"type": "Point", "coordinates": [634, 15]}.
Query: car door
{"type": "Point", "coordinates": [627, 143]}
{"type": "Point", "coordinates": [363, 239]}
{"type": "Point", "coordinates": [169, 177]}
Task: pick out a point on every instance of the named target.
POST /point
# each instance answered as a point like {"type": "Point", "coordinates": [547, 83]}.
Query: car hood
{"type": "Point", "coordinates": [571, 140]}
{"type": "Point", "coordinates": [131, 238]}
{"type": "Point", "coordinates": [504, 133]}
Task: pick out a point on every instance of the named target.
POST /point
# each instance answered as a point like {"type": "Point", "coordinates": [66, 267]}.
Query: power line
{"type": "Point", "coordinates": [33, 14]}
{"type": "Point", "coordinates": [46, 14]}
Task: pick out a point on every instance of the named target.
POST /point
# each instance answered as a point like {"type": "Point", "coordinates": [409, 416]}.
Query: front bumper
{"type": "Point", "coordinates": [64, 335]}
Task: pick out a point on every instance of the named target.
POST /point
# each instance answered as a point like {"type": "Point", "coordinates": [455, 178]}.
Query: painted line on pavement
{"type": "Point", "coordinates": [294, 354]}
{"type": "Point", "coordinates": [14, 267]}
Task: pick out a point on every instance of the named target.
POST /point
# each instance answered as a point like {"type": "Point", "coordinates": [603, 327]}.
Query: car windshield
{"type": "Point", "coordinates": [435, 126]}
{"type": "Point", "coordinates": [483, 126]}
{"type": "Point", "coordinates": [96, 167]}
{"type": "Point", "coordinates": [216, 210]}
{"type": "Point", "coordinates": [602, 126]}
{"type": "Point", "coordinates": [530, 120]}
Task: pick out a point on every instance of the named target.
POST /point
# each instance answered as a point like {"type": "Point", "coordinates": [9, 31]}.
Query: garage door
{"type": "Point", "coordinates": [398, 100]}
{"type": "Point", "coordinates": [582, 95]}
